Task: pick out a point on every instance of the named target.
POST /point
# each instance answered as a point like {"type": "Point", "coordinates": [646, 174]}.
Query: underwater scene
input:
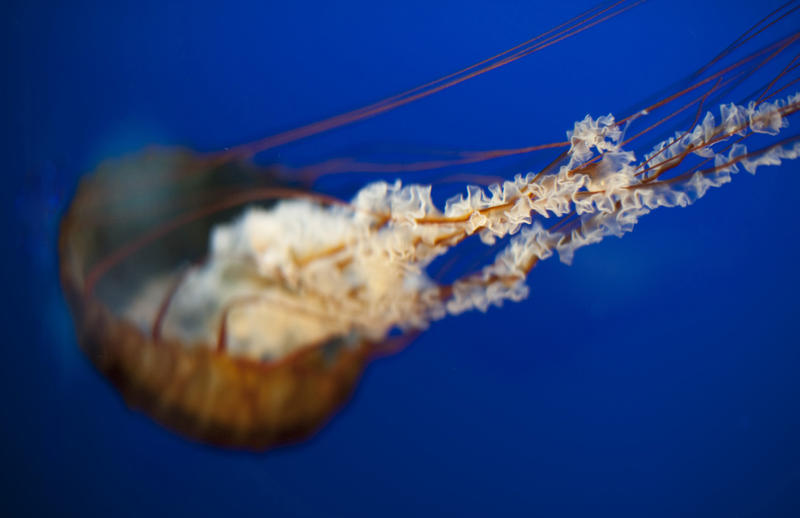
{"type": "Point", "coordinates": [402, 259]}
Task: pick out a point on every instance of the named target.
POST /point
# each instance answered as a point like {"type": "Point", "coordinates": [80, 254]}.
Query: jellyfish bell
{"type": "Point", "coordinates": [245, 395]}
{"type": "Point", "coordinates": [240, 308]}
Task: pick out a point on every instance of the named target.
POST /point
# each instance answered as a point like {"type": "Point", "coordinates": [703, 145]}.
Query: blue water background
{"type": "Point", "coordinates": [656, 376]}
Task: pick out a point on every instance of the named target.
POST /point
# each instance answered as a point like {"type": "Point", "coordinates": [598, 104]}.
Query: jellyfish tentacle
{"type": "Point", "coordinates": [788, 68]}
{"type": "Point", "coordinates": [163, 307]}
{"type": "Point", "coordinates": [250, 149]}
{"type": "Point", "coordinates": [312, 172]}
{"type": "Point", "coordinates": [747, 36]}
{"type": "Point", "coordinates": [341, 165]}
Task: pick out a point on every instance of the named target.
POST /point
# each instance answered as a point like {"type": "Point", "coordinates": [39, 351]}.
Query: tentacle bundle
{"type": "Point", "coordinates": [305, 272]}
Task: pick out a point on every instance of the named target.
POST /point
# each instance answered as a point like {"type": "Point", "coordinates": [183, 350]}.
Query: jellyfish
{"type": "Point", "coordinates": [238, 305]}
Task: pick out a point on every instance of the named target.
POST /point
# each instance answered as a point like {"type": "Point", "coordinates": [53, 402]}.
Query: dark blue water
{"type": "Point", "coordinates": [656, 376]}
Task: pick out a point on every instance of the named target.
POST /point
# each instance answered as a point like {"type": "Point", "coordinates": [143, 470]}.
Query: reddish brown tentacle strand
{"type": "Point", "coordinates": [422, 91]}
